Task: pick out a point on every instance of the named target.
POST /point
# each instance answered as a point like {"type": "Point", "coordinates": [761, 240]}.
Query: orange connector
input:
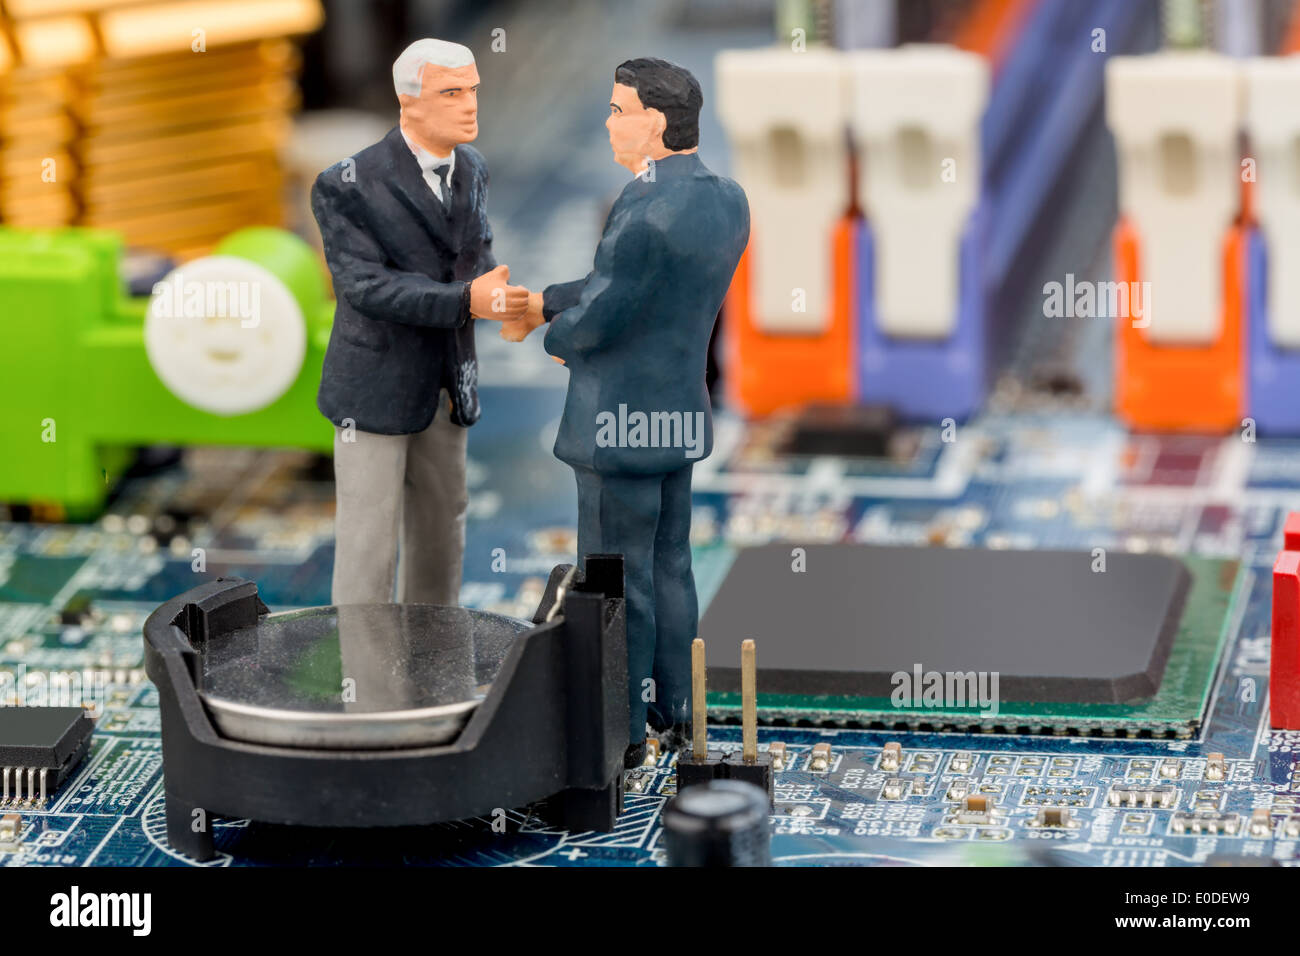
{"type": "Point", "coordinates": [768, 371]}
{"type": "Point", "coordinates": [992, 26]}
{"type": "Point", "coordinates": [1181, 388]}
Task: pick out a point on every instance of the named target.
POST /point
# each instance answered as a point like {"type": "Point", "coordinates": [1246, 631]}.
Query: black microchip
{"type": "Point", "coordinates": [77, 611]}
{"type": "Point", "coordinates": [1051, 627]}
{"type": "Point", "coordinates": [842, 430]}
{"type": "Point", "coordinates": [53, 739]}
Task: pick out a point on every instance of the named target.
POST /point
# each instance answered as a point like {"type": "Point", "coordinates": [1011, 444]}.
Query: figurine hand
{"type": "Point", "coordinates": [491, 298]}
{"type": "Point", "coordinates": [516, 330]}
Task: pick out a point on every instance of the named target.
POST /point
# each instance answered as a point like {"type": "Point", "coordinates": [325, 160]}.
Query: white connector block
{"type": "Point", "coordinates": [1175, 117]}
{"type": "Point", "coordinates": [916, 115]}
{"type": "Point", "coordinates": [786, 118]}
{"type": "Point", "coordinates": [1273, 125]}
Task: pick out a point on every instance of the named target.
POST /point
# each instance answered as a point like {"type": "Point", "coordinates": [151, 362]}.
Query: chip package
{"type": "Point", "coordinates": [1049, 641]}
{"type": "Point", "coordinates": [39, 749]}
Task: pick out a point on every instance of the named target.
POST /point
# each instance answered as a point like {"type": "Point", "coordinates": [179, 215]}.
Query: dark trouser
{"type": "Point", "coordinates": [647, 519]}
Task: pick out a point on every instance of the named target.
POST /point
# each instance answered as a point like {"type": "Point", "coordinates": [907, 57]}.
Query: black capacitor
{"type": "Point", "coordinates": [721, 823]}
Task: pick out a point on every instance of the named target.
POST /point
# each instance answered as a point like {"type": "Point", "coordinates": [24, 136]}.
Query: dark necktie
{"type": "Point", "coordinates": [444, 181]}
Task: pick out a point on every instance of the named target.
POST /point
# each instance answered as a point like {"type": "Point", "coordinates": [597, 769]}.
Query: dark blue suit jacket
{"type": "Point", "coordinates": [402, 266]}
{"type": "Point", "coordinates": [635, 331]}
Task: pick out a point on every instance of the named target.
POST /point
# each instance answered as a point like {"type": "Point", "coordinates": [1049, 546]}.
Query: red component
{"type": "Point", "coordinates": [1291, 528]}
{"type": "Point", "coordinates": [1284, 666]}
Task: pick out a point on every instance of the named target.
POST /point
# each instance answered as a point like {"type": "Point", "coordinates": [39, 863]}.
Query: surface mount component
{"type": "Point", "coordinates": [40, 747]}
{"type": "Point", "coordinates": [395, 715]}
{"type": "Point", "coordinates": [1131, 648]}
{"type": "Point", "coordinates": [1052, 628]}
{"type": "Point", "coordinates": [841, 430]}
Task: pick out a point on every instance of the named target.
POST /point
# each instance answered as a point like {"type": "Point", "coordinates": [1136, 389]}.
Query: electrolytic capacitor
{"type": "Point", "coordinates": [721, 823]}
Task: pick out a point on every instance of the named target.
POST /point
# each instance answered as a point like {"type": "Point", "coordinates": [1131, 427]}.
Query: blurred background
{"type": "Point", "coordinates": [961, 213]}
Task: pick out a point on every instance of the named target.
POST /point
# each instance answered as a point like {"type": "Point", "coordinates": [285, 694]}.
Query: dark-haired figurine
{"type": "Point", "coordinates": [634, 335]}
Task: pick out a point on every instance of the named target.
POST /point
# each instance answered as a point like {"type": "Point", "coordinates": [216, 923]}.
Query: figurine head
{"type": "Point", "coordinates": [654, 112]}
{"type": "Point", "coordinates": [437, 85]}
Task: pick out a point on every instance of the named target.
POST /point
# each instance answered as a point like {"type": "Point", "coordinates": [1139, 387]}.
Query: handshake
{"type": "Point", "coordinates": [518, 310]}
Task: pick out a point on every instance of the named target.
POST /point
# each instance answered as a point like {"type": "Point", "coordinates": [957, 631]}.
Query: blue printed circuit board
{"type": "Point", "coordinates": [73, 599]}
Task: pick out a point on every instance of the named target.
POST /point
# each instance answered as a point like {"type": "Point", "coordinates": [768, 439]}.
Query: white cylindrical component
{"type": "Point", "coordinates": [916, 114]}
{"type": "Point", "coordinates": [225, 335]}
{"type": "Point", "coordinates": [1175, 118]}
{"type": "Point", "coordinates": [1273, 125]}
{"type": "Point", "coordinates": [784, 113]}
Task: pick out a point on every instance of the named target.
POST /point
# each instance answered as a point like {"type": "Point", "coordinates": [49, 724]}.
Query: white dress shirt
{"type": "Point", "coordinates": [429, 163]}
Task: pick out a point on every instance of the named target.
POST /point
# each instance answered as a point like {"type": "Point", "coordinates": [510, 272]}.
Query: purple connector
{"type": "Point", "coordinates": [926, 379]}
{"type": "Point", "coordinates": [1272, 373]}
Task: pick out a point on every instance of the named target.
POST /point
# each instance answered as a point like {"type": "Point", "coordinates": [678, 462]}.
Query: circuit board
{"type": "Point", "coordinates": [73, 599]}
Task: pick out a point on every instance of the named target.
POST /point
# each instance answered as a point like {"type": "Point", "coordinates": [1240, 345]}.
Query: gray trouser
{"type": "Point", "coordinates": [407, 488]}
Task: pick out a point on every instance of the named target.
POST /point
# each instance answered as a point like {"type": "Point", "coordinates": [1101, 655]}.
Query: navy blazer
{"type": "Point", "coordinates": [635, 332]}
{"type": "Point", "coordinates": [402, 266]}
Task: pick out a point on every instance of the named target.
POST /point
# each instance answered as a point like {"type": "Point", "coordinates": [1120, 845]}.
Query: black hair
{"type": "Point", "coordinates": [671, 90]}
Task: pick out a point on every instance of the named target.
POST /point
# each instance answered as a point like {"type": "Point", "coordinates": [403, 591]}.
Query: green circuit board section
{"type": "Point", "coordinates": [1175, 711]}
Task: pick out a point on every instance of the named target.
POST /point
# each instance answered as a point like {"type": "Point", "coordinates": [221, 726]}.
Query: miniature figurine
{"type": "Point", "coordinates": [407, 240]}
{"type": "Point", "coordinates": [634, 335]}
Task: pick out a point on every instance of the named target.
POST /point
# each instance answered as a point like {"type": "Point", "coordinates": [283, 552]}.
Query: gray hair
{"type": "Point", "coordinates": [408, 69]}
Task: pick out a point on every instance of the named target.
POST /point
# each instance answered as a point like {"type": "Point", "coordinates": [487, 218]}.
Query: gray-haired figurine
{"type": "Point", "coordinates": [407, 240]}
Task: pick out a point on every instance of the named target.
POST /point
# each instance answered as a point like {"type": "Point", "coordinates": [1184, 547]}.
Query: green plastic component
{"type": "Point", "coordinates": [1175, 711]}
{"type": "Point", "coordinates": [292, 260]}
{"type": "Point", "coordinates": [79, 392]}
